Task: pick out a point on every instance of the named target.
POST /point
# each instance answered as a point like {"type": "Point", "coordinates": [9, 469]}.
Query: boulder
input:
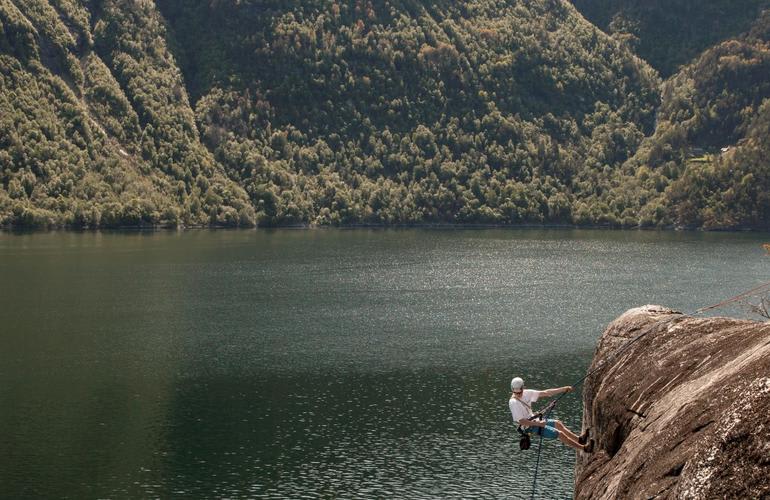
{"type": "Point", "coordinates": [683, 412]}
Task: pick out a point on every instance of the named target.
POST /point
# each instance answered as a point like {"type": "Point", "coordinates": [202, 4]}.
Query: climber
{"type": "Point", "coordinates": [529, 422]}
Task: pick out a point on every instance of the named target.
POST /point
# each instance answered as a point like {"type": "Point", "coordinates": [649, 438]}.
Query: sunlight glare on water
{"type": "Point", "coordinates": [316, 363]}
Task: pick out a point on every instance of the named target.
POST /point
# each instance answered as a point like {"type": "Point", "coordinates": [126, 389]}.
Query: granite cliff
{"type": "Point", "coordinates": [683, 413]}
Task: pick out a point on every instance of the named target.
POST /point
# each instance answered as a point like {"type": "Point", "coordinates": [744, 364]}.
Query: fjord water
{"type": "Point", "coordinates": [316, 363]}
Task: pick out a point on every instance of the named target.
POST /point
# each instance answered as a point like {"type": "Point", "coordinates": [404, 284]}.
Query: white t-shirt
{"type": "Point", "coordinates": [518, 409]}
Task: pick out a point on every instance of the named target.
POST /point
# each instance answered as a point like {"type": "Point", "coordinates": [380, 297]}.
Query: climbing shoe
{"type": "Point", "coordinates": [584, 437]}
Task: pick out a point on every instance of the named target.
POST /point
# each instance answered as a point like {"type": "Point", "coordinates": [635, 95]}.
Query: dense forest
{"type": "Point", "coordinates": [670, 33]}
{"type": "Point", "coordinates": [260, 112]}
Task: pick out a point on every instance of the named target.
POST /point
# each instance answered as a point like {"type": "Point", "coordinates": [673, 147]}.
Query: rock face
{"type": "Point", "coordinates": [684, 412]}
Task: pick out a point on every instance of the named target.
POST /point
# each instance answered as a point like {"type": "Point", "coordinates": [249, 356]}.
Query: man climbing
{"type": "Point", "coordinates": [521, 410]}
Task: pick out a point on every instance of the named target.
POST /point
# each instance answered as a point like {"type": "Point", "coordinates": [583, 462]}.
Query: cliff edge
{"type": "Point", "coordinates": [683, 413]}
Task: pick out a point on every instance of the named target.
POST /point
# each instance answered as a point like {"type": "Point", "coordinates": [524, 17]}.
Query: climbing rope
{"type": "Point", "coordinates": [547, 410]}
{"type": "Point", "coordinates": [754, 291]}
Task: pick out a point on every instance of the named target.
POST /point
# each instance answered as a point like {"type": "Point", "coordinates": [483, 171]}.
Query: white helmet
{"type": "Point", "coordinates": [517, 383]}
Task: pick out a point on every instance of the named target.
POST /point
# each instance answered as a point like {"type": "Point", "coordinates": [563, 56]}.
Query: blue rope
{"type": "Point", "coordinates": [547, 411]}
{"type": "Point", "coordinates": [537, 466]}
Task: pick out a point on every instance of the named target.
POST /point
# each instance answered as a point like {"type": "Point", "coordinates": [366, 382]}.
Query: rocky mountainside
{"type": "Point", "coordinates": [684, 413]}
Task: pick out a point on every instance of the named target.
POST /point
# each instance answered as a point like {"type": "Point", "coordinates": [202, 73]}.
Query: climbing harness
{"type": "Point", "coordinates": [524, 440]}
{"type": "Point", "coordinates": [547, 410]}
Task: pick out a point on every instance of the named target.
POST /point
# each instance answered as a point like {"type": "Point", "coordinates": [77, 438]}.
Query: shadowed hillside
{"type": "Point", "coordinates": [708, 162]}
{"type": "Point", "coordinates": [670, 33]}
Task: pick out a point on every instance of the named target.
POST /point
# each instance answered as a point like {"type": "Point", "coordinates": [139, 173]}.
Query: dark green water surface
{"type": "Point", "coordinates": [316, 363]}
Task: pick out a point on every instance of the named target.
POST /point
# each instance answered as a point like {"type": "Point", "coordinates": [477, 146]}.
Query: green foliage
{"type": "Point", "coordinates": [670, 33]}
{"type": "Point", "coordinates": [244, 112]}
{"type": "Point", "coordinates": [732, 190]}
{"type": "Point", "coordinates": [73, 150]}
{"type": "Point", "coordinates": [709, 153]}
{"type": "Point", "coordinates": [108, 104]}
{"type": "Point", "coordinates": [403, 112]}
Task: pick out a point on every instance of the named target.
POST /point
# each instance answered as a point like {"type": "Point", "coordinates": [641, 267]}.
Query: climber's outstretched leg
{"type": "Point", "coordinates": [569, 441]}
{"type": "Point", "coordinates": [563, 429]}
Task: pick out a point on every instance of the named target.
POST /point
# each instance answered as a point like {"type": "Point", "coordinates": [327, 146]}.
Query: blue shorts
{"type": "Point", "coordinates": [549, 431]}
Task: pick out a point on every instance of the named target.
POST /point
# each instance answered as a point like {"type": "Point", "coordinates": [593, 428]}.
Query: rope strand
{"type": "Point", "coordinates": [749, 293]}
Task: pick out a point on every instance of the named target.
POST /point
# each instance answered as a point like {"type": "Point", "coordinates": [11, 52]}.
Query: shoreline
{"type": "Point", "coordinates": [310, 227]}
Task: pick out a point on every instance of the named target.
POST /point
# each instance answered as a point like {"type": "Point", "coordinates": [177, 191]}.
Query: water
{"type": "Point", "coordinates": [321, 363]}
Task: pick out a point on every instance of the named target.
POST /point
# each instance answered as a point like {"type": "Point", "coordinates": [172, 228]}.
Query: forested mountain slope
{"type": "Point", "coordinates": [95, 124]}
{"type": "Point", "coordinates": [406, 111]}
{"type": "Point", "coordinates": [670, 33]}
{"type": "Point", "coordinates": [242, 112]}
{"type": "Point", "coordinates": [708, 162]}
